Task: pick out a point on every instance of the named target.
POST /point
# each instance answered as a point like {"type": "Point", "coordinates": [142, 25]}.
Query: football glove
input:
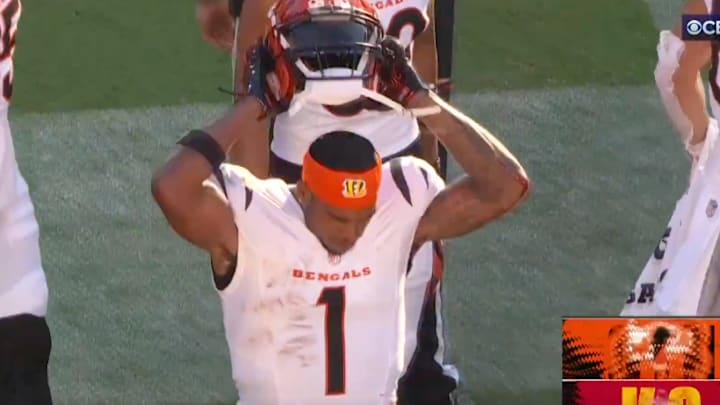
{"type": "Point", "coordinates": [399, 79]}
{"type": "Point", "coordinates": [261, 80]}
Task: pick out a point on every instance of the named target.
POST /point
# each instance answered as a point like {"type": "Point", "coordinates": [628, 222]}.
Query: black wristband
{"type": "Point", "coordinates": [204, 144]}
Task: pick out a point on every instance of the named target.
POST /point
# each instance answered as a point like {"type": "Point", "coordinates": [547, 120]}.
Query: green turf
{"type": "Point", "coordinates": [577, 245]}
{"type": "Point", "coordinates": [133, 313]}
{"type": "Point", "coordinates": [87, 54]}
{"type": "Point", "coordinates": [527, 44]}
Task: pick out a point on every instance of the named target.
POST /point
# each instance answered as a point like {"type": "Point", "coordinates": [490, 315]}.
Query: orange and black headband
{"type": "Point", "coordinates": [342, 189]}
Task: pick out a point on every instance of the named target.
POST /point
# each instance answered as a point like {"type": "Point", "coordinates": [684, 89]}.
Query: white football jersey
{"type": "Point", "coordinates": [389, 132]}
{"type": "Point", "coordinates": [304, 327]}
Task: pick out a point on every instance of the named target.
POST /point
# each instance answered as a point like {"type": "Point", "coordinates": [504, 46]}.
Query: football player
{"type": "Point", "coordinates": [24, 333]}
{"type": "Point", "coordinates": [682, 277]}
{"type": "Point", "coordinates": [428, 378]}
{"type": "Point", "coordinates": [412, 21]}
{"type": "Point", "coordinates": [311, 276]}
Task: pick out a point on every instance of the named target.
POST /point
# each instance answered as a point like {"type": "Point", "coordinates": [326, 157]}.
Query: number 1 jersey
{"type": "Point", "coordinates": [304, 327]}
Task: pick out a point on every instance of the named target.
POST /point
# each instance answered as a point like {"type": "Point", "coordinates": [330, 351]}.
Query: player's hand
{"type": "Point", "coordinates": [399, 80]}
{"type": "Point", "coordinates": [262, 82]}
{"type": "Point", "coordinates": [216, 23]}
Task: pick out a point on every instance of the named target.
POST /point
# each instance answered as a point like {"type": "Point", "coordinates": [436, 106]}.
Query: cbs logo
{"type": "Point", "coordinates": [697, 27]}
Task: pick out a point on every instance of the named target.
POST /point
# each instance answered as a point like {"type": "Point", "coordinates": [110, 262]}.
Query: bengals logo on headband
{"type": "Point", "coordinates": [354, 188]}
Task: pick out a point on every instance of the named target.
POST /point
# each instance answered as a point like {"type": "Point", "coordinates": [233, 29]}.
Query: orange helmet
{"type": "Point", "coordinates": [330, 48]}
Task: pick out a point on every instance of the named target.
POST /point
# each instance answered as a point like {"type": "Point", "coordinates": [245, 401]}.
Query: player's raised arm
{"type": "Point", "coordinates": [678, 79]}
{"type": "Point", "coordinates": [424, 58]}
{"type": "Point", "coordinates": [195, 207]}
{"type": "Point", "coordinates": [234, 28]}
{"type": "Point", "coordinates": [495, 180]}
{"type": "Point", "coordinates": [253, 150]}
{"type": "Point", "coordinates": [253, 21]}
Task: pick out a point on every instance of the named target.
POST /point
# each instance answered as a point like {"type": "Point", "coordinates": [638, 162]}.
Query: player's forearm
{"type": "Point", "coordinates": [477, 151]}
{"type": "Point", "coordinates": [252, 150]}
{"type": "Point", "coordinates": [251, 27]}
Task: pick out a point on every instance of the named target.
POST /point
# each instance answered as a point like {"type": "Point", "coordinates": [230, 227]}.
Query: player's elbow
{"type": "Point", "coordinates": [511, 190]}
{"type": "Point", "coordinates": [517, 188]}
{"type": "Point", "coordinates": [496, 195]}
{"type": "Point", "coordinates": [163, 190]}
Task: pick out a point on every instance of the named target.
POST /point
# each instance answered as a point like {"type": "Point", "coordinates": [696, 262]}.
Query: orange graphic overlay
{"type": "Point", "coordinates": [640, 348]}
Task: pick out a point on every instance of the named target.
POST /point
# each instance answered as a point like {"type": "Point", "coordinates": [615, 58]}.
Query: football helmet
{"type": "Point", "coordinates": [326, 51]}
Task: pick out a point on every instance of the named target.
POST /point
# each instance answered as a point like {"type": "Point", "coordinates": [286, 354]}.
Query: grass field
{"type": "Point", "coordinates": [103, 91]}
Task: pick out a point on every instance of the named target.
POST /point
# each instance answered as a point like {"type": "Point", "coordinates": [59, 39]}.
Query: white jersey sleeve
{"type": "Point", "coordinates": [261, 210]}
{"type": "Point", "coordinates": [418, 183]}
{"type": "Point", "coordinates": [235, 184]}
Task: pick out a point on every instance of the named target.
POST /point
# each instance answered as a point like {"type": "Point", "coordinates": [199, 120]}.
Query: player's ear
{"type": "Point", "coordinates": [303, 193]}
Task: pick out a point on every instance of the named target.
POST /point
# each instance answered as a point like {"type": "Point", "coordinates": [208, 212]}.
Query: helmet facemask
{"type": "Point", "coordinates": [334, 57]}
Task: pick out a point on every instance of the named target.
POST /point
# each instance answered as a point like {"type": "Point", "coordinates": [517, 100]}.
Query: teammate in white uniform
{"type": "Point", "coordinates": [311, 277]}
{"type": "Point", "coordinates": [24, 335]}
{"type": "Point", "coordinates": [392, 135]}
{"type": "Point", "coordinates": [682, 277]}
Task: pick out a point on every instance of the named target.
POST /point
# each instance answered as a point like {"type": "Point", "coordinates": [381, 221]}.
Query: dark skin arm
{"type": "Point", "coordinates": [195, 208]}
{"type": "Point", "coordinates": [217, 27]}
{"type": "Point", "coordinates": [252, 151]}
{"type": "Point", "coordinates": [494, 184]}
{"type": "Point", "coordinates": [424, 59]}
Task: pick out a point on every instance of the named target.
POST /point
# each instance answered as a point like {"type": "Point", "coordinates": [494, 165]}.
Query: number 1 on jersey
{"type": "Point", "coordinates": [334, 300]}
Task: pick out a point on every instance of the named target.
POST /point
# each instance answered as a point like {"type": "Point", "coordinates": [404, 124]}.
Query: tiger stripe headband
{"type": "Point", "coordinates": [350, 190]}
